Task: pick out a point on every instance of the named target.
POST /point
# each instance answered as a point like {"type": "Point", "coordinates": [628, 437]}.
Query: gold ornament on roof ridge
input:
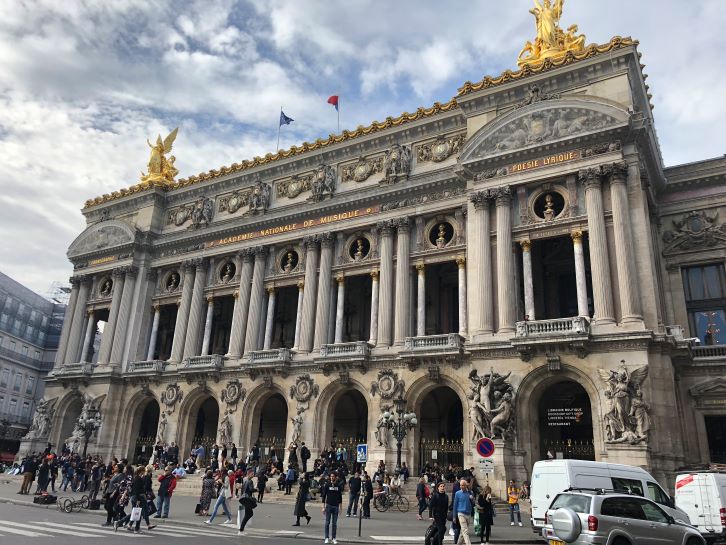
{"type": "Point", "coordinates": [551, 40]}
{"type": "Point", "coordinates": [161, 170]}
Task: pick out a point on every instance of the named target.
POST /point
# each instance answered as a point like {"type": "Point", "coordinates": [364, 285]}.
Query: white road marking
{"type": "Point", "coordinates": [18, 531]}
{"type": "Point", "coordinates": [95, 530]}
{"type": "Point", "coordinates": [81, 533]}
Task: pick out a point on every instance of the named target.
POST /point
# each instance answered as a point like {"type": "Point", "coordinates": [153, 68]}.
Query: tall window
{"type": "Point", "coordinates": [29, 386]}
{"type": "Point", "coordinates": [26, 408]}
{"type": "Point", "coordinates": [4, 378]}
{"type": "Point", "coordinates": [17, 382]}
{"type": "Point", "coordinates": [13, 407]}
{"type": "Point", "coordinates": [705, 288]}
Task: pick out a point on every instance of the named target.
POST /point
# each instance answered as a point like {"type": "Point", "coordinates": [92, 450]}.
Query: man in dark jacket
{"type": "Point", "coordinates": [304, 457]}
{"type": "Point", "coordinates": [167, 483]}
{"type": "Point", "coordinates": [438, 510]}
{"type": "Point", "coordinates": [367, 496]}
{"type": "Point", "coordinates": [354, 487]}
{"type": "Point", "coordinates": [332, 495]}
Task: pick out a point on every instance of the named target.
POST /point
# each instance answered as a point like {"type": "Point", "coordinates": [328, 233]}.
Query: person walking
{"type": "Point", "coordinates": [485, 508]}
{"type": "Point", "coordinates": [332, 496]}
{"type": "Point", "coordinates": [367, 495]}
{"type": "Point", "coordinates": [422, 495]}
{"type": "Point", "coordinates": [438, 511]}
{"type": "Point", "coordinates": [513, 493]}
{"type": "Point", "coordinates": [167, 483]}
{"type": "Point", "coordinates": [205, 498]}
{"type": "Point", "coordinates": [247, 502]}
{"type": "Point", "coordinates": [225, 492]}
{"type": "Point", "coordinates": [463, 503]}
{"type": "Point", "coordinates": [354, 487]}
{"type": "Point", "coordinates": [111, 492]}
{"type": "Point", "coordinates": [303, 495]}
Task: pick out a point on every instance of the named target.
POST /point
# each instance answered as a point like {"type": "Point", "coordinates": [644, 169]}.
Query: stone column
{"type": "Point", "coordinates": [104, 351]}
{"type": "Point", "coordinates": [307, 327]}
{"type": "Point", "coordinates": [403, 281]}
{"type": "Point", "coordinates": [122, 320]}
{"type": "Point", "coordinates": [298, 314]}
{"type": "Point", "coordinates": [385, 286]}
{"type": "Point", "coordinates": [67, 319]}
{"type": "Point", "coordinates": [269, 325]}
{"type": "Point", "coordinates": [241, 301]}
{"type": "Point", "coordinates": [420, 300]}
{"type": "Point", "coordinates": [527, 274]}
{"type": "Point", "coordinates": [374, 309]}
{"type": "Point", "coordinates": [482, 280]}
{"type": "Point", "coordinates": [461, 263]}
{"type": "Point", "coordinates": [154, 333]}
{"type": "Point", "coordinates": [257, 295]}
{"type": "Point", "coordinates": [580, 276]}
{"type": "Point", "coordinates": [182, 315]}
{"type": "Point", "coordinates": [627, 276]}
{"type": "Point", "coordinates": [505, 261]}
{"type": "Point", "coordinates": [208, 326]}
{"type": "Point", "coordinates": [196, 308]}
{"type": "Point", "coordinates": [599, 263]}
{"type": "Point", "coordinates": [89, 336]}
{"type": "Point", "coordinates": [339, 309]}
{"type": "Point", "coordinates": [324, 278]}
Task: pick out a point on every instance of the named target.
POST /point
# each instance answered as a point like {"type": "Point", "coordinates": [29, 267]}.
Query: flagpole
{"type": "Point", "coordinates": [278, 129]}
{"type": "Point", "coordinates": [338, 110]}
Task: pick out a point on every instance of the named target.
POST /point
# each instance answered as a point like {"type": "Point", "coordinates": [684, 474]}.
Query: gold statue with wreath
{"type": "Point", "coordinates": [551, 40]}
{"type": "Point", "coordinates": [161, 168]}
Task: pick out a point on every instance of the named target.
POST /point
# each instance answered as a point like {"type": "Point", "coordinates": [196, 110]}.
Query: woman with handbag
{"type": "Point", "coordinates": [485, 510]}
{"type": "Point", "coordinates": [225, 492]}
{"type": "Point", "coordinates": [247, 502]}
{"type": "Point", "coordinates": [303, 495]}
{"type": "Point", "coordinates": [205, 498]}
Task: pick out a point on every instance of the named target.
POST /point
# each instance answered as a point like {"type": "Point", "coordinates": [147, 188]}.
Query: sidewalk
{"type": "Point", "coordinates": [389, 527]}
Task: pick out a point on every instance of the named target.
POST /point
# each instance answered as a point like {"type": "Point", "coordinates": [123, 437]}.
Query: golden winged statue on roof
{"type": "Point", "coordinates": [551, 40]}
{"type": "Point", "coordinates": [161, 167]}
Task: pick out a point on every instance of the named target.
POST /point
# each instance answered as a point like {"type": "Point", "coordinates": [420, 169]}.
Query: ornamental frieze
{"type": "Point", "coordinates": [440, 149]}
{"type": "Point", "coordinates": [170, 396]}
{"type": "Point", "coordinates": [234, 201]}
{"type": "Point", "coordinates": [362, 170]}
{"type": "Point", "coordinates": [232, 394]}
{"type": "Point", "coordinates": [695, 230]}
{"type": "Point", "coordinates": [294, 186]}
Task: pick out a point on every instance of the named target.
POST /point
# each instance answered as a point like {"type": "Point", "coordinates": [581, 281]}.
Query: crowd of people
{"type": "Point", "coordinates": [131, 494]}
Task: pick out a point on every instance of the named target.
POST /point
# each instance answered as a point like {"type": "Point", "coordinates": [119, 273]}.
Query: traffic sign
{"type": "Point", "coordinates": [362, 454]}
{"type": "Point", "coordinates": [485, 447]}
{"type": "Point", "coordinates": [486, 465]}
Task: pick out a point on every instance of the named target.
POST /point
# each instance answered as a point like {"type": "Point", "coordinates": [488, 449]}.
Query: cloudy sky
{"type": "Point", "coordinates": [84, 83]}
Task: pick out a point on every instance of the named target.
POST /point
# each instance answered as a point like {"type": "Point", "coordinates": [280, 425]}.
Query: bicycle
{"type": "Point", "coordinates": [69, 504]}
{"type": "Point", "coordinates": [383, 502]}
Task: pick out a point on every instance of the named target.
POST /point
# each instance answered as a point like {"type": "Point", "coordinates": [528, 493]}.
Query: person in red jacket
{"type": "Point", "coordinates": [167, 484]}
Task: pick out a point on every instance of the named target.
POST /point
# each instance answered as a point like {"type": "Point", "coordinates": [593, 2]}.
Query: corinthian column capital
{"type": "Point", "coordinates": [481, 199]}
{"type": "Point", "coordinates": [591, 178]}
{"type": "Point", "coordinates": [503, 195]}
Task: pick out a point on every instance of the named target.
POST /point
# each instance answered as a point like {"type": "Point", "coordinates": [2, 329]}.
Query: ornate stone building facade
{"type": "Point", "coordinates": [509, 262]}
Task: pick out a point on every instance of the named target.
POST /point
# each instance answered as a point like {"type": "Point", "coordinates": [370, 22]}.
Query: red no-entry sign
{"type": "Point", "coordinates": [485, 447]}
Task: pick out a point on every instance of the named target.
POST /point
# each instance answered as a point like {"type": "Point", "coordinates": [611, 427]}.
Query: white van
{"type": "Point", "coordinates": [702, 495]}
{"type": "Point", "coordinates": [550, 477]}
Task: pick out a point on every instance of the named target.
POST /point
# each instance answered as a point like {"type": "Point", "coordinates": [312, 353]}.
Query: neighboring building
{"type": "Point", "coordinates": [30, 327]}
{"type": "Point", "coordinates": [512, 262]}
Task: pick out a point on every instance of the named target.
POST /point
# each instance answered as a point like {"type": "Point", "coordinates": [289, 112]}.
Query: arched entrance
{"type": "Point", "coordinates": [565, 422]}
{"type": "Point", "coordinates": [441, 429]}
{"type": "Point", "coordinates": [143, 431]}
{"type": "Point", "coordinates": [68, 421]}
{"type": "Point", "coordinates": [269, 428]}
{"type": "Point", "coordinates": [203, 423]}
{"type": "Point", "coordinates": [348, 423]}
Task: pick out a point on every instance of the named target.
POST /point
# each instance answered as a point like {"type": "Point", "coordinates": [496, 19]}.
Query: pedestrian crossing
{"type": "Point", "coordinates": [46, 529]}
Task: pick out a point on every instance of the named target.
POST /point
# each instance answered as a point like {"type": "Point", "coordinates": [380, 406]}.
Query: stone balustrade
{"type": "Point", "coordinates": [150, 366]}
{"type": "Point", "coordinates": [447, 342]}
{"type": "Point", "coordinates": [711, 352]}
{"type": "Point", "coordinates": [204, 362]}
{"type": "Point", "coordinates": [576, 325]}
{"type": "Point", "coordinates": [263, 357]}
{"type": "Point", "coordinates": [81, 368]}
{"type": "Point", "coordinates": [354, 349]}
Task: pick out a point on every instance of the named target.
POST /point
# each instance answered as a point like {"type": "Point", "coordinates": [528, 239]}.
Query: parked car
{"type": "Point", "coordinates": [702, 495]}
{"type": "Point", "coordinates": [550, 477]}
{"type": "Point", "coordinates": [589, 517]}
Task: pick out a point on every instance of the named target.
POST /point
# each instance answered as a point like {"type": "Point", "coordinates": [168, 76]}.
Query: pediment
{"type": "Point", "coordinates": [540, 123]}
{"type": "Point", "coordinates": [101, 236]}
{"type": "Point", "coordinates": [712, 388]}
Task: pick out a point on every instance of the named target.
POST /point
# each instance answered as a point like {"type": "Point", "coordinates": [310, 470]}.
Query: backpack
{"type": "Point", "coordinates": [427, 491]}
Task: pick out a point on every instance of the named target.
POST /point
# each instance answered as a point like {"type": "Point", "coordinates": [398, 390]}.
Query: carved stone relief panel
{"type": "Point", "coordinates": [440, 149]}
{"type": "Point", "coordinates": [361, 170]}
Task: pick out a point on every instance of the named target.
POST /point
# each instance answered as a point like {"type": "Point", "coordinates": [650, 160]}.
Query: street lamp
{"type": "Point", "coordinates": [399, 427]}
{"type": "Point", "coordinates": [88, 424]}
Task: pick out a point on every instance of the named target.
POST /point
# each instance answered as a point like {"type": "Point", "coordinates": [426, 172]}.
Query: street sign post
{"type": "Point", "coordinates": [485, 447]}
{"type": "Point", "coordinates": [486, 465]}
{"type": "Point", "coordinates": [362, 454]}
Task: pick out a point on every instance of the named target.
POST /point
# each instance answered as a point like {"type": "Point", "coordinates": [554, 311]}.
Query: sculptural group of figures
{"type": "Point", "coordinates": [628, 420]}
{"type": "Point", "coordinates": [551, 39]}
{"type": "Point", "coordinates": [492, 405]}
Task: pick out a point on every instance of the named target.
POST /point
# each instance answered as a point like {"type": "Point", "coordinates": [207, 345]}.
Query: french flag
{"type": "Point", "coordinates": [334, 101]}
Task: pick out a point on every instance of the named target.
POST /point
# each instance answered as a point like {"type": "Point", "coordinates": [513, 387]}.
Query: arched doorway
{"type": "Point", "coordinates": [270, 427]}
{"type": "Point", "coordinates": [143, 432]}
{"type": "Point", "coordinates": [441, 429]}
{"type": "Point", "coordinates": [565, 422]}
{"type": "Point", "coordinates": [203, 423]}
{"type": "Point", "coordinates": [348, 423]}
{"type": "Point", "coordinates": [68, 421]}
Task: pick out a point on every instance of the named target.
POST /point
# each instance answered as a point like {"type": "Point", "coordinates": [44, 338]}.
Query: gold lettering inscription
{"type": "Point", "coordinates": [555, 159]}
{"type": "Point", "coordinates": [102, 260]}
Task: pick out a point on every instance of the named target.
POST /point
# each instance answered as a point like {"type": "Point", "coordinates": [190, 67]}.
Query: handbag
{"type": "Point", "coordinates": [477, 524]}
{"type": "Point", "coordinates": [151, 507]}
{"type": "Point", "coordinates": [197, 508]}
{"type": "Point", "coordinates": [135, 514]}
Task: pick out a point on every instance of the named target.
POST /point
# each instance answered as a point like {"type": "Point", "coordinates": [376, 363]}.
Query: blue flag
{"type": "Point", "coordinates": [284, 120]}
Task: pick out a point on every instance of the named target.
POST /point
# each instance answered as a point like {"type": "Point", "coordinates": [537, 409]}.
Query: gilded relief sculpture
{"type": "Point", "coordinates": [161, 168]}
{"type": "Point", "coordinates": [551, 40]}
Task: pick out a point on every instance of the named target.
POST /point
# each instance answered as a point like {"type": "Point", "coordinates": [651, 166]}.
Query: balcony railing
{"type": "Point", "coordinates": [80, 368]}
{"type": "Point", "coordinates": [203, 362]}
{"type": "Point", "coordinates": [264, 357]}
{"type": "Point", "coordinates": [575, 326]}
{"type": "Point", "coordinates": [447, 343]}
{"type": "Point", "coordinates": [151, 366]}
{"type": "Point", "coordinates": [357, 349]}
{"type": "Point", "coordinates": [716, 351]}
